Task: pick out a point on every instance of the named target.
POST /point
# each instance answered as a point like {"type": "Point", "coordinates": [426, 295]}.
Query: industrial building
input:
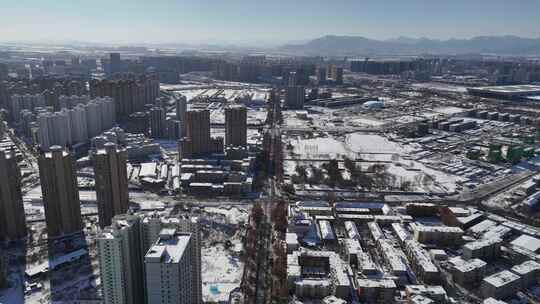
{"type": "Point", "coordinates": [513, 92]}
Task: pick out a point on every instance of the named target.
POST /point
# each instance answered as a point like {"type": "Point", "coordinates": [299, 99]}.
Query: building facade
{"type": "Point", "coordinates": [12, 217]}
{"type": "Point", "coordinates": [60, 192]}
{"type": "Point", "coordinates": [236, 126]}
{"type": "Point", "coordinates": [181, 109]}
{"type": "Point", "coordinates": [111, 183]}
{"type": "Point", "coordinates": [198, 131]}
{"type": "Point", "coordinates": [121, 261]}
{"type": "Point", "coordinates": [169, 269]}
{"type": "Point", "coordinates": [295, 97]}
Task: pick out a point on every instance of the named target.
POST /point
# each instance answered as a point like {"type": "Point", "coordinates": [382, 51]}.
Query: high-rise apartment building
{"type": "Point", "coordinates": [191, 225]}
{"type": "Point", "coordinates": [4, 71]}
{"type": "Point", "coordinates": [198, 131]}
{"type": "Point", "coordinates": [172, 129]}
{"type": "Point", "coordinates": [24, 102]}
{"type": "Point", "coordinates": [236, 126]}
{"type": "Point", "coordinates": [130, 95]}
{"type": "Point", "coordinates": [111, 182]}
{"type": "Point", "coordinates": [3, 270]}
{"type": "Point", "coordinates": [138, 123]}
{"type": "Point", "coordinates": [12, 217]}
{"type": "Point", "coordinates": [69, 102]}
{"type": "Point", "coordinates": [169, 269]}
{"type": "Point", "coordinates": [152, 226]}
{"type": "Point", "coordinates": [151, 257]}
{"type": "Point", "coordinates": [76, 125]}
{"type": "Point", "coordinates": [157, 122]}
{"type": "Point", "coordinates": [60, 192]}
{"type": "Point", "coordinates": [115, 63]}
{"type": "Point", "coordinates": [181, 109]}
{"type": "Point", "coordinates": [295, 97]}
{"type": "Point", "coordinates": [2, 126]}
{"type": "Point", "coordinates": [321, 75]}
{"type": "Point", "coordinates": [121, 261]}
{"type": "Point", "coordinates": [336, 73]}
{"type": "Point", "coordinates": [54, 129]}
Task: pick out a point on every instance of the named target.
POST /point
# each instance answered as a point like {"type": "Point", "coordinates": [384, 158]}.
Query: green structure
{"type": "Point", "coordinates": [514, 154]}
{"type": "Point", "coordinates": [528, 152]}
{"type": "Point", "coordinates": [495, 153]}
{"type": "Point", "coordinates": [474, 154]}
{"type": "Point", "coordinates": [529, 139]}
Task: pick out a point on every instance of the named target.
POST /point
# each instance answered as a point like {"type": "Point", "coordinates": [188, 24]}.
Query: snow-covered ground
{"type": "Point", "coordinates": [372, 143]}
{"type": "Point", "coordinates": [232, 215]}
{"type": "Point", "coordinates": [368, 122]}
{"type": "Point", "coordinates": [449, 110]}
{"type": "Point", "coordinates": [221, 273]}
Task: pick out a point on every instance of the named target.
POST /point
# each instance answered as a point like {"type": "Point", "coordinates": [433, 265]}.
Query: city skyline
{"type": "Point", "coordinates": [243, 22]}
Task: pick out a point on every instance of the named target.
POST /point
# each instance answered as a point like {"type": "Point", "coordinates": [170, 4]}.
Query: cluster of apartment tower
{"type": "Point", "coordinates": [57, 170]}
{"type": "Point", "coordinates": [197, 140]}
{"type": "Point", "coordinates": [141, 257]}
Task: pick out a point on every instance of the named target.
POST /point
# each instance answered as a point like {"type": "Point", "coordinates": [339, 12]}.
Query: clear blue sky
{"type": "Point", "coordinates": [255, 21]}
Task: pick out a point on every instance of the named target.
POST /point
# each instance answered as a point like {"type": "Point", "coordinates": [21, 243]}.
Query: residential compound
{"type": "Point", "coordinates": [372, 252]}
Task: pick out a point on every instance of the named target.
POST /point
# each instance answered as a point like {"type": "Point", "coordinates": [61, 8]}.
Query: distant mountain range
{"type": "Point", "coordinates": [357, 45]}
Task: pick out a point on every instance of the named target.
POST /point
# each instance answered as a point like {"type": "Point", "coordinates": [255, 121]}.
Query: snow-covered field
{"type": "Point", "coordinates": [321, 147]}
{"type": "Point", "coordinates": [374, 147]}
{"type": "Point", "coordinates": [371, 143]}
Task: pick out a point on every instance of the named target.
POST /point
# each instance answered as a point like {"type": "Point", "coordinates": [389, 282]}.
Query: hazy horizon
{"type": "Point", "coordinates": [254, 23]}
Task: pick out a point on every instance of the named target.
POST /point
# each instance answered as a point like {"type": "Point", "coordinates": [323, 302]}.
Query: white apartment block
{"type": "Point", "coordinates": [169, 269]}
{"type": "Point", "coordinates": [76, 125]}
{"type": "Point", "coordinates": [121, 262]}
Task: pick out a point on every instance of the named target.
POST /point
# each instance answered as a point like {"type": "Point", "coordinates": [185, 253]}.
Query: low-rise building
{"type": "Point", "coordinates": [433, 292]}
{"type": "Point", "coordinates": [484, 249]}
{"type": "Point", "coordinates": [529, 271]}
{"type": "Point", "coordinates": [501, 285]}
{"type": "Point", "coordinates": [467, 272]}
{"type": "Point", "coordinates": [376, 291]}
{"type": "Point", "coordinates": [421, 263]}
{"type": "Point", "coordinates": [442, 235]}
{"type": "Point", "coordinates": [393, 257]}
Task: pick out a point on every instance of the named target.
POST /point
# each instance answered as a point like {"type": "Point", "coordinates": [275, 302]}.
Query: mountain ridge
{"type": "Point", "coordinates": [350, 45]}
